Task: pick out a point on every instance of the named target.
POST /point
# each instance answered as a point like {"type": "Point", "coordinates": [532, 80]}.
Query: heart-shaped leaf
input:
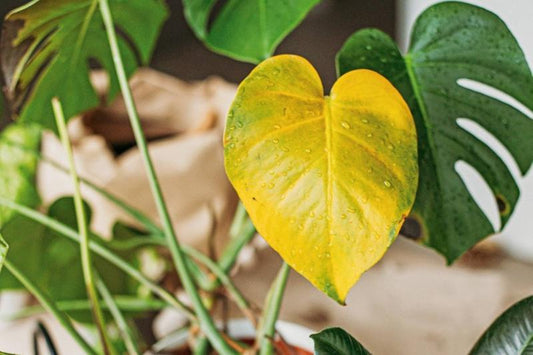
{"type": "Point", "coordinates": [327, 181]}
{"type": "Point", "coordinates": [246, 30]}
{"type": "Point", "coordinates": [18, 164]}
{"type": "Point", "coordinates": [453, 41]}
{"type": "Point", "coordinates": [337, 341]}
{"type": "Point", "coordinates": [47, 46]}
{"type": "Point", "coordinates": [511, 333]}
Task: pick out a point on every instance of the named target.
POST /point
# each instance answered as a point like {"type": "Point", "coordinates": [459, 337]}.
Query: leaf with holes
{"type": "Point", "coordinates": [326, 180]}
{"type": "Point", "coordinates": [19, 144]}
{"type": "Point", "coordinates": [453, 41]}
{"type": "Point", "coordinates": [337, 341]}
{"type": "Point", "coordinates": [47, 46]}
{"type": "Point", "coordinates": [246, 30]}
{"type": "Point", "coordinates": [511, 333]}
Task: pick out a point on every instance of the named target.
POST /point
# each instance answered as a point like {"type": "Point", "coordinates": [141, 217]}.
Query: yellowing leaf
{"type": "Point", "coordinates": [326, 180]}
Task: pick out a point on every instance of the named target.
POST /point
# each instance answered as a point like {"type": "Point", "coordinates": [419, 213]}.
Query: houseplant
{"type": "Point", "coordinates": [296, 189]}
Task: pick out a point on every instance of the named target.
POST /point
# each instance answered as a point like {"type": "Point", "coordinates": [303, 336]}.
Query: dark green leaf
{"type": "Point", "coordinates": [452, 41]}
{"type": "Point", "coordinates": [18, 165]}
{"type": "Point", "coordinates": [246, 30]}
{"type": "Point", "coordinates": [337, 341]}
{"type": "Point", "coordinates": [511, 333]}
{"type": "Point", "coordinates": [47, 45]}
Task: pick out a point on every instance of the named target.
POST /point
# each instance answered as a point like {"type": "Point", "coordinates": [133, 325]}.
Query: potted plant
{"type": "Point", "coordinates": [328, 181]}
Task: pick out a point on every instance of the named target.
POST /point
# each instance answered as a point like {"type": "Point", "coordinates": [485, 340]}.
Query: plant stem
{"type": "Point", "coordinates": [125, 330]}
{"type": "Point", "coordinates": [100, 250]}
{"type": "Point", "coordinates": [124, 303]}
{"type": "Point", "coordinates": [238, 297]}
{"type": "Point", "coordinates": [49, 305]}
{"type": "Point", "coordinates": [206, 322]}
{"type": "Point", "coordinates": [86, 262]}
{"type": "Point", "coordinates": [271, 311]}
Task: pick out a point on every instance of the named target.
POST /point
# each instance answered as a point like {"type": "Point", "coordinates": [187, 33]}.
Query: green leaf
{"type": "Point", "coordinates": [47, 45]}
{"type": "Point", "coordinates": [452, 41]}
{"type": "Point", "coordinates": [337, 341]}
{"type": "Point", "coordinates": [327, 181]}
{"type": "Point", "coordinates": [18, 165]}
{"type": "Point", "coordinates": [511, 333]}
{"type": "Point", "coordinates": [247, 30]}
{"type": "Point", "coordinates": [53, 262]}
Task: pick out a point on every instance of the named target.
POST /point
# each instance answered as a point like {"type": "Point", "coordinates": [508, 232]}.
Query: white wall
{"type": "Point", "coordinates": [517, 237]}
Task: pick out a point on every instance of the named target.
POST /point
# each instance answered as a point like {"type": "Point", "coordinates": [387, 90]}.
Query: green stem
{"type": "Point", "coordinates": [127, 334]}
{"type": "Point", "coordinates": [132, 211]}
{"type": "Point", "coordinates": [271, 311]}
{"type": "Point", "coordinates": [124, 303]}
{"type": "Point", "coordinates": [206, 322]}
{"type": "Point", "coordinates": [49, 305]}
{"type": "Point", "coordinates": [98, 249]}
{"type": "Point", "coordinates": [237, 296]}
{"type": "Point", "coordinates": [86, 261]}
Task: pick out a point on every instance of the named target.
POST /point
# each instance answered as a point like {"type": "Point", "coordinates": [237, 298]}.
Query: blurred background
{"type": "Point", "coordinates": [410, 303]}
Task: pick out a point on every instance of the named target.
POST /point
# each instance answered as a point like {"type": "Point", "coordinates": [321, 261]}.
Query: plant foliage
{"type": "Point", "coordinates": [246, 30]}
{"type": "Point", "coordinates": [453, 41]}
{"type": "Point", "coordinates": [327, 181]}
{"type": "Point", "coordinates": [47, 47]}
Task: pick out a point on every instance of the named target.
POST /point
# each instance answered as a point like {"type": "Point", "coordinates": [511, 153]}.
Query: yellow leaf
{"type": "Point", "coordinates": [327, 181]}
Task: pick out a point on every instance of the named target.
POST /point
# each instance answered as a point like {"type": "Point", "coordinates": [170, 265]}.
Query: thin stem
{"type": "Point", "coordinates": [124, 303]}
{"type": "Point", "coordinates": [49, 305]}
{"type": "Point", "coordinates": [105, 253]}
{"type": "Point", "coordinates": [237, 296]}
{"type": "Point", "coordinates": [86, 261]}
{"type": "Point", "coordinates": [206, 322]}
{"type": "Point", "coordinates": [271, 311]}
{"type": "Point", "coordinates": [125, 330]}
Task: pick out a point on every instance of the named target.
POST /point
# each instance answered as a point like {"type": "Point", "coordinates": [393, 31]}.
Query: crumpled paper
{"type": "Point", "coordinates": [184, 123]}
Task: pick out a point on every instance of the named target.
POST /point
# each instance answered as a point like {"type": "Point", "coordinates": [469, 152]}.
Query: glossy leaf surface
{"type": "Point", "coordinates": [47, 46]}
{"type": "Point", "coordinates": [246, 30]}
{"type": "Point", "coordinates": [337, 341]}
{"type": "Point", "coordinates": [18, 166]}
{"type": "Point", "coordinates": [328, 180]}
{"type": "Point", "coordinates": [511, 333]}
{"type": "Point", "coordinates": [453, 41]}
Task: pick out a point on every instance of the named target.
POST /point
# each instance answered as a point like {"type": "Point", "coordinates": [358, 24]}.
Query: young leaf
{"type": "Point", "coordinates": [46, 47]}
{"type": "Point", "coordinates": [18, 166]}
{"type": "Point", "coordinates": [337, 341]}
{"type": "Point", "coordinates": [511, 333]}
{"type": "Point", "coordinates": [246, 30]}
{"type": "Point", "coordinates": [327, 181]}
{"type": "Point", "coordinates": [453, 41]}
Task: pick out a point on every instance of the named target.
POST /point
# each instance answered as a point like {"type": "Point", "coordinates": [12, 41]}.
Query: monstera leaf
{"type": "Point", "coordinates": [327, 181]}
{"type": "Point", "coordinates": [246, 30]}
{"type": "Point", "coordinates": [18, 165]}
{"type": "Point", "coordinates": [511, 333]}
{"type": "Point", "coordinates": [47, 47]}
{"type": "Point", "coordinates": [453, 41]}
{"type": "Point", "coordinates": [337, 341]}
